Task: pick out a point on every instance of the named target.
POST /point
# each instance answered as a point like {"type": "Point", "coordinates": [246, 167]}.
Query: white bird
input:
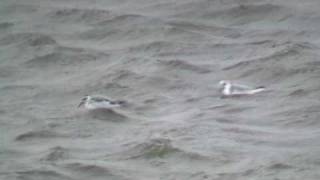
{"type": "Point", "coordinates": [99, 102]}
{"type": "Point", "coordinates": [231, 89]}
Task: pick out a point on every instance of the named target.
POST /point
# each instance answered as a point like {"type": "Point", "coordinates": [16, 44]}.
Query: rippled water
{"type": "Point", "coordinates": [165, 58]}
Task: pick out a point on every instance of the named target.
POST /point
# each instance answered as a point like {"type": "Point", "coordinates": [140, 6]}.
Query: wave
{"type": "Point", "coordinates": [88, 168]}
{"type": "Point", "coordinates": [163, 48]}
{"type": "Point", "coordinates": [55, 154]}
{"type": "Point", "coordinates": [64, 56]}
{"type": "Point", "coordinates": [42, 174]}
{"type": "Point", "coordinates": [258, 170]}
{"type": "Point", "coordinates": [76, 15]}
{"type": "Point", "coordinates": [299, 93]}
{"type": "Point", "coordinates": [157, 148]}
{"type": "Point", "coordinates": [131, 27]}
{"type": "Point", "coordinates": [93, 171]}
{"type": "Point", "coordinates": [30, 39]}
{"type": "Point", "coordinates": [107, 115]}
{"type": "Point", "coordinates": [152, 149]}
{"type": "Point", "coordinates": [206, 30]}
{"type": "Point", "coordinates": [124, 75]}
{"type": "Point", "coordinates": [246, 13]}
{"type": "Point", "coordinates": [183, 65]}
{"type": "Point", "coordinates": [280, 166]}
{"type": "Point", "coordinates": [38, 134]}
{"type": "Point", "coordinates": [273, 66]}
{"type": "Point", "coordinates": [306, 116]}
{"type": "Point", "coordinates": [124, 27]}
{"type": "Point", "coordinates": [123, 20]}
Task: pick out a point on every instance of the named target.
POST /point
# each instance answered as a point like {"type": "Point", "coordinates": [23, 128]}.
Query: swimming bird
{"type": "Point", "coordinates": [230, 89]}
{"type": "Point", "coordinates": [99, 102]}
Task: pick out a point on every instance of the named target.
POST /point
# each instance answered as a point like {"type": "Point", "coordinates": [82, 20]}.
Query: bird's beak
{"type": "Point", "coordinates": [81, 103]}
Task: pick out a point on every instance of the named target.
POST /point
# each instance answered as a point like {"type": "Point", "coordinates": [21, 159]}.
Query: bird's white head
{"type": "Point", "coordinates": [225, 87]}
{"type": "Point", "coordinates": [222, 83]}
{"type": "Point", "coordinates": [85, 99]}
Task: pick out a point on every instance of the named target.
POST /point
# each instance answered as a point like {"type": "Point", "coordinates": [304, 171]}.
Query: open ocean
{"type": "Point", "coordinates": [165, 58]}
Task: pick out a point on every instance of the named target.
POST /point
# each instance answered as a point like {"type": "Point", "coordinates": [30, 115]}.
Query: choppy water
{"type": "Point", "coordinates": [165, 58]}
